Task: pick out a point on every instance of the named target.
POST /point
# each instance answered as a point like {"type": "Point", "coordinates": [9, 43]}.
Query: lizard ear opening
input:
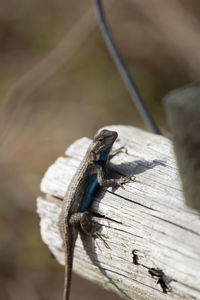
{"type": "Point", "coordinates": [93, 156]}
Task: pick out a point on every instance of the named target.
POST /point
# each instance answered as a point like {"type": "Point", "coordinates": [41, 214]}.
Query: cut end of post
{"type": "Point", "coordinates": [182, 107]}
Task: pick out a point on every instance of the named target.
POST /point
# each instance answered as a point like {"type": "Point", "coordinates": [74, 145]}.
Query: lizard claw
{"type": "Point", "coordinates": [99, 235]}
{"type": "Point", "coordinates": [116, 151]}
{"type": "Point", "coordinates": [124, 149]}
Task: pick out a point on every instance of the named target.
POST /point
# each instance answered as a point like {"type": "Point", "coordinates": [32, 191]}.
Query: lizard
{"type": "Point", "coordinates": [74, 215]}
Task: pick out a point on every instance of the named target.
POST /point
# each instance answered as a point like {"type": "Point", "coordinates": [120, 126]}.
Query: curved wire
{"type": "Point", "coordinates": [133, 90]}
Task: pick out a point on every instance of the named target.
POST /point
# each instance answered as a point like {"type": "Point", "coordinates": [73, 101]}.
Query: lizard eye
{"type": "Point", "coordinates": [100, 139]}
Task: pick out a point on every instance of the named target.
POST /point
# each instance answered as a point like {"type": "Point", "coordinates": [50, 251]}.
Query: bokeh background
{"type": "Point", "coordinates": [58, 83]}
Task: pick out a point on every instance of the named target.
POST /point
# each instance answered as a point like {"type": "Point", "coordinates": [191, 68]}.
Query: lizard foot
{"type": "Point", "coordinates": [99, 235]}
{"type": "Point", "coordinates": [125, 179]}
{"type": "Point", "coordinates": [87, 226]}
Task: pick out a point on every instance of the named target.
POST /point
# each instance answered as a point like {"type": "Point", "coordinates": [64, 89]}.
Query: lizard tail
{"type": "Point", "coordinates": [69, 246]}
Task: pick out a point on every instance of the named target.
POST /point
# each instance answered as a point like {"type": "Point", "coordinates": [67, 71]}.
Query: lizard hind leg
{"type": "Point", "coordinates": [84, 220]}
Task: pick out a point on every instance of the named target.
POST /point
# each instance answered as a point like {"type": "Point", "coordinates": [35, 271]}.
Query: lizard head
{"type": "Point", "coordinates": [102, 144]}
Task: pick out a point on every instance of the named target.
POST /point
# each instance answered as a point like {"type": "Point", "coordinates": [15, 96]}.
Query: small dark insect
{"type": "Point", "coordinates": [163, 279]}
{"type": "Point", "coordinates": [135, 257]}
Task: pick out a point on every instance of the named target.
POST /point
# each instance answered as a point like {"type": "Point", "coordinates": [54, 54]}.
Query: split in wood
{"type": "Point", "coordinates": [163, 279]}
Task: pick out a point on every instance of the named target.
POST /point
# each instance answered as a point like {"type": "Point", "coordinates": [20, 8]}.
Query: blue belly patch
{"type": "Point", "coordinates": [87, 199]}
{"type": "Point", "coordinates": [89, 193]}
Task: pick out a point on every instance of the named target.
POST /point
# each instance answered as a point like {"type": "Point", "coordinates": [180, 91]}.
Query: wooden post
{"type": "Point", "coordinates": [183, 114]}
{"type": "Point", "coordinates": [146, 225]}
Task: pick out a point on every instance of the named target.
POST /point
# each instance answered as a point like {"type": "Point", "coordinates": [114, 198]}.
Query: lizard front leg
{"type": "Point", "coordinates": [111, 182]}
{"type": "Point", "coordinates": [116, 151]}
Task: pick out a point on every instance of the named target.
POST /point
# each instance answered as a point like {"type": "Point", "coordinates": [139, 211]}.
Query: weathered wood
{"type": "Point", "coordinates": [182, 108]}
{"type": "Point", "coordinates": [148, 215]}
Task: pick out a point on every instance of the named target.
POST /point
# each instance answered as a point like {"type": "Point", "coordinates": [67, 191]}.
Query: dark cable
{"type": "Point", "coordinates": [133, 90]}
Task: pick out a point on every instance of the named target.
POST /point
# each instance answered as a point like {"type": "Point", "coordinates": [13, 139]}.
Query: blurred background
{"type": "Point", "coordinates": [58, 83]}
